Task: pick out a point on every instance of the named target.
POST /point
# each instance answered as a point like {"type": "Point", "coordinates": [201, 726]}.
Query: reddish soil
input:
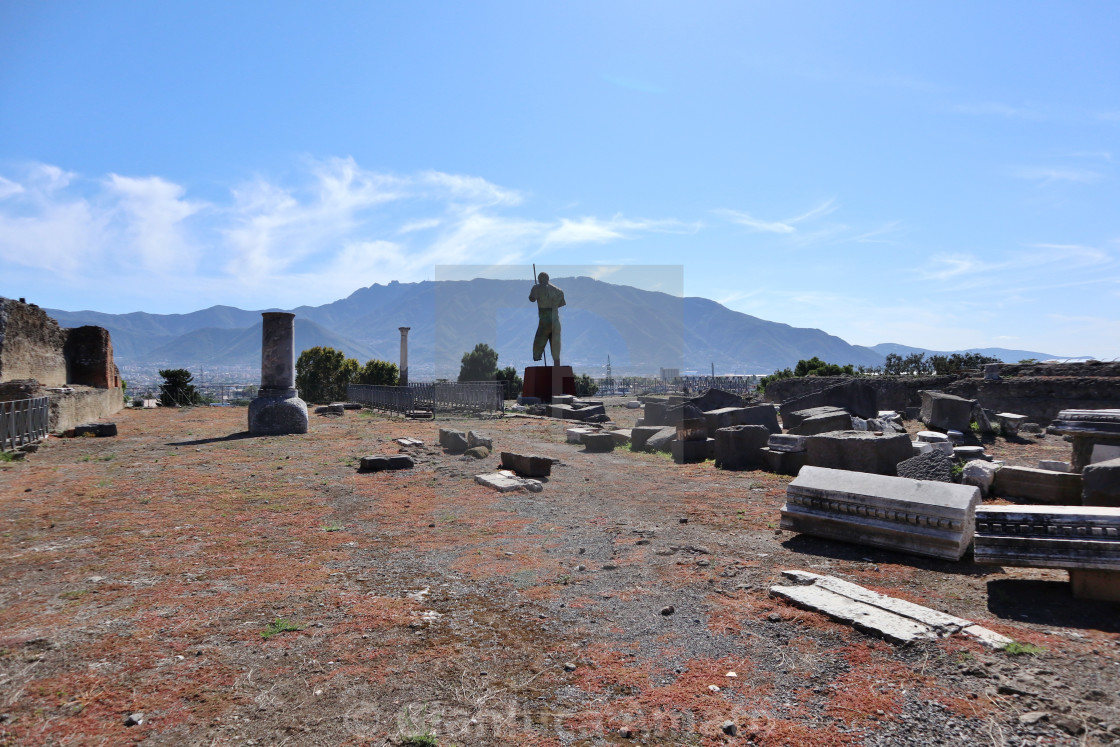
{"type": "Point", "coordinates": [138, 574]}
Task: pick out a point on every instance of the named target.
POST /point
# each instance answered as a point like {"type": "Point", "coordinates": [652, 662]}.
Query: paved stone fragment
{"type": "Point", "coordinates": [501, 483]}
{"type": "Point", "coordinates": [865, 617]}
{"type": "Point", "coordinates": [1039, 485]}
{"type": "Point", "coordinates": [375, 463]}
{"type": "Point", "coordinates": [401, 461]}
{"type": "Point", "coordinates": [527, 465]}
{"type": "Point", "coordinates": [598, 443]}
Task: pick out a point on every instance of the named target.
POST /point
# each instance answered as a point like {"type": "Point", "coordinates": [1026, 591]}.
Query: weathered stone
{"type": "Point", "coordinates": [980, 474]}
{"type": "Point", "coordinates": [725, 417]}
{"type": "Point", "coordinates": [401, 461]}
{"type": "Point", "coordinates": [716, 399]}
{"type": "Point", "coordinates": [502, 483]}
{"type": "Point", "coordinates": [793, 418]}
{"type": "Point", "coordinates": [1101, 484]}
{"type": "Point", "coordinates": [858, 452]}
{"type": "Point", "coordinates": [740, 446]}
{"type": "Point", "coordinates": [563, 399]}
{"type": "Point", "coordinates": [955, 437]}
{"type": "Point", "coordinates": [330, 410]}
{"type": "Point", "coordinates": [478, 439]}
{"type": "Point", "coordinates": [575, 435]}
{"type": "Point", "coordinates": [1091, 431]}
{"type": "Point", "coordinates": [783, 462]}
{"type": "Point", "coordinates": [409, 442]}
{"type": "Point", "coordinates": [930, 466]}
{"type": "Point", "coordinates": [916, 516]}
{"type": "Point", "coordinates": [100, 430]}
{"type": "Point", "coordinates": [921, 447]}
{"type": "Point", "coordinates": [983, 419]}
{"type": "Point", "coordinates": [691, 452]}
{"type": "Point", "coordinates": [1049, 536]}
{"type": "Point", "coordinates": [968, 453]}
{"type": "Point", "coordinates": [621, 436]}
{"type": "Point", "coordinates": [946, 411]}
{"type": "Point", "coordinates": [598, 443]}
{"type": "Point", "coordinates": [1094, 584]}
{"type": "Point", "coordinates": [786, 442]}
{"type": "Point", "coordinates": [932, 437]}
{"type": "Point", "coordinates": [837, 420]}
{"type": "Point", "coordinates": [1009, 423]}
{"type": "Point", "coordinates": [640, 435]}
{"type": "Point", "coordinates": [854, 397]}
{"type": "Point", "coordinates": [453, 440]}
{"type": "Point", "coordinates": [633, 405]}
{"type": "Point", "coordinates": [1043, 486]}
{"type": "Point", "coordinates": [375, 463]}
{"type": "Point", "coordinates": [527, 465]}
{"type": "Point", "coordinates": [944, 447]}
{"type": "Point", "coordinates": [1053, 465]}
{"type": "Point", "coordinates": [692, 429]}
{"type": "Point", "coordinates": [478, 452]}
{"type": "Point", "coordinates": [660, 441]}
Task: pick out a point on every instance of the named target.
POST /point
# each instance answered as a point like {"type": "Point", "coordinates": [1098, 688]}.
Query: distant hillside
{"type": "Point", "coordinates": [640, 330]}
{"type": "Point", "coordinates": [1005, 355]}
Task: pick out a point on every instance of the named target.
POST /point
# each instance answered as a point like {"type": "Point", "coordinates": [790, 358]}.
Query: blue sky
{"type": "Point", "coordinates": [941, 175]}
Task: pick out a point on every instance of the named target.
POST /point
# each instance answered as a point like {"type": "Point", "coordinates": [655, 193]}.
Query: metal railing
{"type": "Point", "coordinates": [460, 396]}
{"type": "Point", "coordinates": [23, 421]}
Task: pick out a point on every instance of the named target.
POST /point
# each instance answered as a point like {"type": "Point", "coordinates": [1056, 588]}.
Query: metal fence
{"type": "Point", "coordinates": [23, 421]}
{"type": "Point", "coordinates": [436, 397]}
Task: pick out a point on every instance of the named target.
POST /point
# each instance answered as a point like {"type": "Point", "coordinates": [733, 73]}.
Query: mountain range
{"type": "Point", "coordinates": [640, 330]}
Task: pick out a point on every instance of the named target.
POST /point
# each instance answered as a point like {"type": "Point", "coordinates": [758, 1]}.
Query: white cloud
{"type": "Point", "coordinates": [787, 226]}
{"type": "Point", "coordinates": [153, 212]}
{"type": "Point", "coordinates": [1050, 175]}
{"type": "Point", "coordinates": [9, 188]}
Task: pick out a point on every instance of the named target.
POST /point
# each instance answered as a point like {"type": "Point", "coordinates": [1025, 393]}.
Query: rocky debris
{"type": "Point", "coordinates": [932, 465]}
{"type": "Point", "coordinates": [330, 410]}
{"type": "Point", "coordinates": [99, 430]}
{"type": "Point", "coordinates": [477, 452]}
{"type": "Point", "coordinates": [381, 463]}
{"type": "Point", "coordinates": [409, 442]}
{"type": "Point", "coordinates": [598, 443]}
{"type": "Point", "coordinates": [505, 482]}
{"type": "Point", "coordinates": [854, 397]}
{"type": "Point", "coordinates": [858, 451]}
{"type": "Point", "coordinates": [134, 719]}
{"type": "Point", "coordinates": [452, 440]}
{"type": "Point", "coordinates": [478, 439]}
{"type": "Point", "coordinates": [740, 446]}
{"type": "Point", "coordinates": [1101, 484]}
{"type": "Point", "coordinates": [575, 435]}
{"type": "Point", "coordinates": [633, 405]}
{"type": "Point", "coordinates": [528, 465]}
{"type": "Point", "coordinates": [1030, 428]}
{"type": "Point", "coordinates": [981, 474]}
{"type": "Point", "coordinates": [897, 620]}
{"type": "Point", "coordinates": [946, 411]}
{"type": "Point", "coordinates": [662, 440]}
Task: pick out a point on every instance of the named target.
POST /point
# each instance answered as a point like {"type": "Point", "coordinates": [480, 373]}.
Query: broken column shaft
{"type": "Point", "coordinates": [277, 409]}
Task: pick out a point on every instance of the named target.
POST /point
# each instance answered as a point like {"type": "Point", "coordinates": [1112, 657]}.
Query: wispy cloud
{"type": "Point", "coordinates": [787, 226]}
{"type": "Point", "coordinates": [995, 108]}
{"type": "Point", "coordinates": [1049, 175]}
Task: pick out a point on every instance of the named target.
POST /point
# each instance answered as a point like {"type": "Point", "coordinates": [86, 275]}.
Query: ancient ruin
{"type": "Point", "coordinates": [277, 408]}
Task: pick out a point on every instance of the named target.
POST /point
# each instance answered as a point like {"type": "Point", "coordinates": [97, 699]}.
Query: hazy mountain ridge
{"type": "Point", "coordinates": [640, 330]}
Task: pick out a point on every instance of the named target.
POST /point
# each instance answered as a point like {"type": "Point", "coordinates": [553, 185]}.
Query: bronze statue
{"type": "Point", "coordinates": [549, 299]}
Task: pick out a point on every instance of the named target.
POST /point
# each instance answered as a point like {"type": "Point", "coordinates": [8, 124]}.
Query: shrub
{"type": "Point", "coordinates": [322, 374]}
{"type": "Point", "coordinates": [480, 364]}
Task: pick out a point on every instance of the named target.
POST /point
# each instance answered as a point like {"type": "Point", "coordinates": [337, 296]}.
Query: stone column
{"type": "Point", "coordinates": [404, 355]}
{"type": "Point", "coordinates": [277, 409]}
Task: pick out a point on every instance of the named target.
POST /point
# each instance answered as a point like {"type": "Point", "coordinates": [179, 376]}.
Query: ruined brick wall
{"type": "Point", "coordinates": [89, 358]}
{"type": "Point", "coordinates": [1040, 398]}
{"type": "Point", "coordinates": [31, 344]}
{"type": "Point", "coordinates": [894, 392]}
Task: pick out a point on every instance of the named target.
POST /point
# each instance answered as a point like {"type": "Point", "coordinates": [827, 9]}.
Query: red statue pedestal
{"type": "Point", "coordinates": [545, 381]}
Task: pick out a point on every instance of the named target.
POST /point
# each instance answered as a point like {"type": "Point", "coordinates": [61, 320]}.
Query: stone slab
{"type": "Point", "coordinates": [793, 418]}
{"type": "Point", "coordinates": [740, 446]}
{"type": "Point", "coordinates": [504, 483]}
{"type": "Point", "coordinates": [640, 435]}
{"type": "Point", "coordinates": [375, 463]}
{"type": "Point", "coordinates": [661, 440]}
{"type": "Point", "coordinates": [859, 451]}
{"type": "Point", "coordinates": [1039, 485]}
{"type": "Point", "coordinates": [409, 442]}
{"type": "Point", "coordinates": [921, 447]}
{"type": "Point", "coordinates": [925, 518]}
{"type": "Point", "coordinates": [598, 443]}
{"type": "Point", "coordinates": [621, 436]}
{"type": "Point", "coordinates": [968, 453]}
{"type": "Point", "coordinates": [783, 462]}
{"type": "Point", "coordinates": [453, 440]}
{"type": "Point", "coordinates": [401, 461]}
{"type": "Point", "coordinates": [527, 465]}
{"type": "Point", "coordinates": [1053, 465]}
{"type": "Point", "coordinates": [895, 619]}
{"type": "Point", "coordinates": [786, 442]}
{"type": "Point", "coordinates": [932, 437]}
{"type": "Point", "coordinates": [1101, 484]}
{"type": "Point", "coordinates": [575, 435]}
{"type": "Point", "coordinates": [692, 452]}
{"type": "Point", "coordinates": [1086, 537]}
{"type": "Point", "coordinates": [946, 411]}
{"type": "Point", "coordinates": [826, 423]}
{"type": "Point", "coordinates": [98, 430]}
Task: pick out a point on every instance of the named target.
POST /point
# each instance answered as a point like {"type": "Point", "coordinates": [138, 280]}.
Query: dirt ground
{"type": "Point", "coordinates": [229, 590]}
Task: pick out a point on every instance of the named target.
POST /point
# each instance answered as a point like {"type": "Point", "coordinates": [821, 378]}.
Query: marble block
{"type": "Point", "coordinates": [1071, 537]}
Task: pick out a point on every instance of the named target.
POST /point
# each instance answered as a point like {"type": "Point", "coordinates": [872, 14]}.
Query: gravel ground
{"type": "Point", "coordinates": [223, 589]}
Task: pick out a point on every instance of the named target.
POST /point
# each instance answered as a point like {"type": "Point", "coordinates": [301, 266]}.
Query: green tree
{"type": "Point", "coordinates": [481, 364]}
{"type": "Point", "coordinates": [176, 389]}
{"type": "Point", "coordinates": [377, 372]}
{"type": "Point", "coordinates": [322, 374]}
{"type": "Point", "coordinates": [585, 386]}
{"type": "Point", "coordinates": [512, 381]}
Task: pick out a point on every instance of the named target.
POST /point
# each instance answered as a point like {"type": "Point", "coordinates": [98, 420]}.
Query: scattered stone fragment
{"type": "Point", "coordinates": [477, 439]}
{"type": "Point", "coordinates": [478, 452]}
{"type": "Point", "coordinates": [506, 483]}
{"type": "Point", "coordinates": [729, 728]}
{"type": "Point", "coordinates": [932, 437]}
{"type": "Point", "coordinates": [692, 451]}
{"type": "Point", "coordinates": [401, 461]}
{"type": "Point", "coordinates": [981, 474]}
{"type": "Point", "coordinates": [1042, 486]}
{"type": "Point", "coordinates": [633, 405]}
{"type": "Point", "coordinates": [932, 465]}
{"type": "Point", "coordinates": [575, 435]}
{"type": "Point", "coordinates": [528, 465]}
{"type": "Point", "coordinates": [410, 442]}
{"type": "Point", "coordinates": [452, 440]}
{"type": "Point", "coordinates": [625, 732]}
{"type": "Point", "coordinates": [100, 430]}
{"type": "Point", "coordinates": [1053, 465]}
{"type": "Point", "coordinates": [569, 666]}
{"type": "Point", "coordinates": [598, 443]}
{"type": "Point", "coordinates": [946, 411]}
{"type": "Point", "coordinates": [1101, 484]}
{"type": "Point", "coordinates": [375, 463]}
{"type": "Point", "coordinates": [859, 451]}
{"type": "Point", "coordinates": [134, 719]}
{"type": "Point", "coordinates": [668, 610]}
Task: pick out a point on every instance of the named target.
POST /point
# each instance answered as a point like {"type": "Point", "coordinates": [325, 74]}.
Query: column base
{"type": "Point", "coordinates": [546, 381]}
{"type": "Point", "coordinates": [277, 415]}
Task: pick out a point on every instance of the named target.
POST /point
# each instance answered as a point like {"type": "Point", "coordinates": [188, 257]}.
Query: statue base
{"type": "Point", "coordinates": [277, 412]}
{"type": "Point", "coordinates": [546, 381]}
